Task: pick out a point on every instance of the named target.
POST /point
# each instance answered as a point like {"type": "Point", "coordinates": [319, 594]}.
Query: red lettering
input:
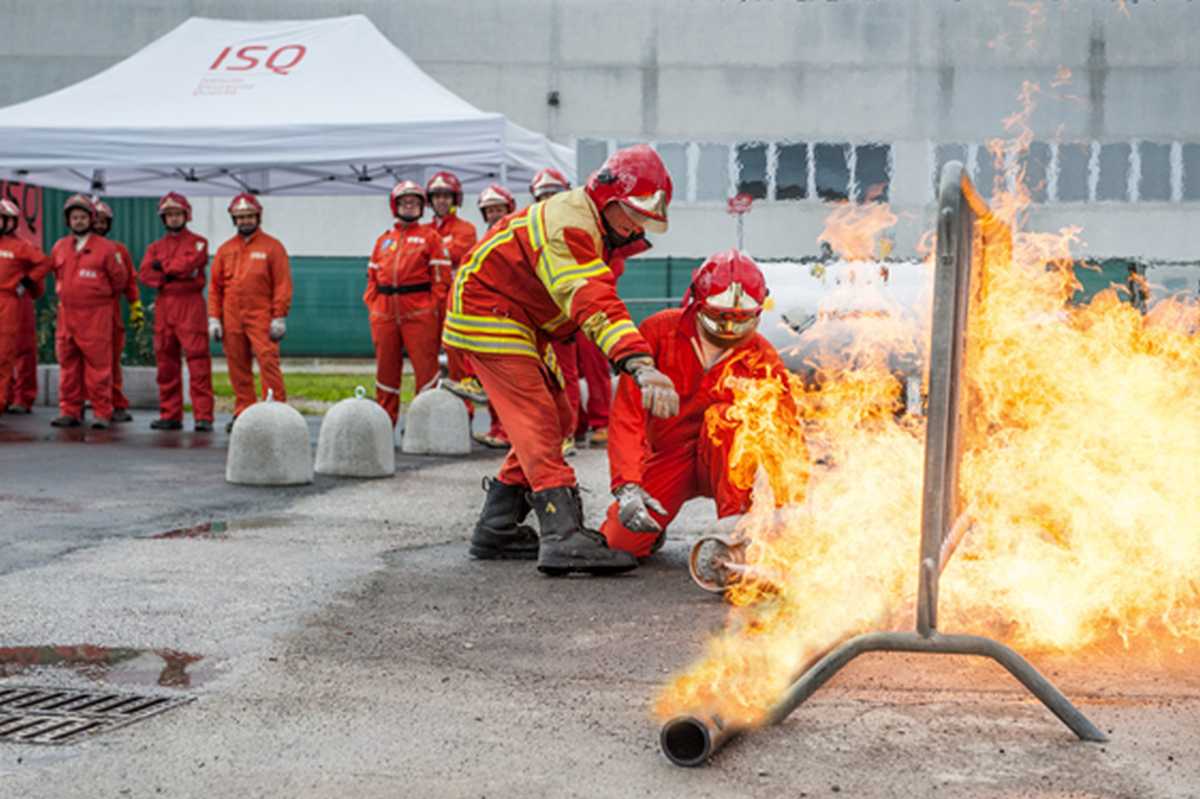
{"type": "Point", "coordinates": [281, 69]}
{"type": "Point", "coordinates": [220, 58]}
{"type": "Point", "coordinates": [251, 61]}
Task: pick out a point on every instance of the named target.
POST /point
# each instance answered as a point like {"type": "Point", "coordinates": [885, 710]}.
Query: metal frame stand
{"type": "Point", "coordinates": [691, 740]}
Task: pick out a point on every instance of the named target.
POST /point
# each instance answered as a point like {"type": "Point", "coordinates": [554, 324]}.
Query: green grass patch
{"type": "Point", "coordinates": [319, 386]}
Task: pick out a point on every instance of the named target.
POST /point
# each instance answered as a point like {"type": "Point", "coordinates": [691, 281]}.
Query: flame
{"type": "Point", "coordinates": [1079, 475]}
{"type": "Point", "coordinates": [854, 230]}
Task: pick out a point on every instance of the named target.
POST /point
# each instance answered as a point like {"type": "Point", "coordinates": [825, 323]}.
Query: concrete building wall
{"type": "Point", "coordinates": [1116, 115]}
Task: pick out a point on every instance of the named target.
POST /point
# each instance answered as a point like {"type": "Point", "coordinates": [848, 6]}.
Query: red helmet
{"type": "Point", "coordinates": [79, 201]}
{"type": "Point", "coordinates": [495, 194]}
{"type": "Point", "coordinates": [102, 209]}
{"type": "Point", "coordinates": [244, 203]}
{"type": "Point", "coordinates": [728, 291]}
{"type": "Point", "coordinates": [636, 178]}
{"type": "Point", "coordinates": [174, 201]}
{"type": "Point", "coordinates": [9, 208]}
{"type": "Point", "coordinates": [547, 182]}
{"type": "Point", "coordinates": [447, 182]}
{"type": "Point", "coordinates": [406, 188]}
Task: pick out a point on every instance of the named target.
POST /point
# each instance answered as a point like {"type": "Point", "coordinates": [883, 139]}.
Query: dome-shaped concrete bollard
{"type": "Point", "coordinates": [356, 439]}
{"type": "Point", "coordinates": [269, 446]}
{"type": "Point", "coordinates": [436, 424]}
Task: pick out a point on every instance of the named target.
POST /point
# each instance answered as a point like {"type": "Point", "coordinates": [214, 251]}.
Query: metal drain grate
{"type": "Point", "coordinates": [38, 715]}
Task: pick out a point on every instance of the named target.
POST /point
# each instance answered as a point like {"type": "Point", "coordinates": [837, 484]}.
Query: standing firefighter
{"type": "Point", "coordinates": [137, 317]}
{"type": "Point", "coordinates": [538, 275]}
{"type": "Point", "coordinates": [248, 303]}
{"type": "Point", "coordinates": [400, 298]}
{"type": "Point", "coordinates": [174, 267]}
{"type": "Point", "coordinates": [658, 464]}
{"type": "Point", "coordinates": [22, 269]}
{"type": "Point", "coordinates": [89, 276]}
{"type": "Point", "coordinates": [445, 195]}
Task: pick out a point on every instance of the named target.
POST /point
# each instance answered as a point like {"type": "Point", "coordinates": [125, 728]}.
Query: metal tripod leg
{"type": "Point", "coordinates": [1017, 666]}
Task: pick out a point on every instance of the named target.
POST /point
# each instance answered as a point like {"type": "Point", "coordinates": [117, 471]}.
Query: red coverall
{"type": "Point", "coordinates": [25, 387]}
{"type": "Point", "coordinates": [18, 259]}
{"type": "Point", "coordinates": [675, 459]}
{"type": "Point", "coordinates": [538, 275]}
{"type": "Point", "coordinates": [596, 372]}
{"type": "Point", "coordinates": [251, 285]}
{"type": "Point", "coordinates": [404, 315]}
{"type": "Point", "coordinates": [130, 290]}
{"type": "Point", "coordinates": [87, 279]}
{"type": "Point", "coordinates": [180, 322]}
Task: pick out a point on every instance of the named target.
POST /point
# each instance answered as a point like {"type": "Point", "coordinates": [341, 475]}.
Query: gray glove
{"type": "Point", "coordinates": [634, 504]}
{"type": "Point", "coordinates": [658, 392]}
{"type": "Point", "coordinates": [278, 329]}
{"type": "Point", "coordinates": [215, 331]}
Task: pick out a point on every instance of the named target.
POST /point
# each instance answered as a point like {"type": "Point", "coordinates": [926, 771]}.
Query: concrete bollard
{"type": "Point", "coordinates": [269, 446]}
{"type": "Point", "coordinates": [436, 423]}
{"type": "Point", "coordinates": [356, 439]}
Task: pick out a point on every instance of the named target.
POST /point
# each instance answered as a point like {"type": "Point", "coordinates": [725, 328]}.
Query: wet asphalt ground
{"type": "Point", "coordinates": [348, 646]}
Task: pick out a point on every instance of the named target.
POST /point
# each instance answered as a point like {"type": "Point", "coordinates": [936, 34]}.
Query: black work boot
{"type": "Point", "coordinates": [122, 415]}
{"type": "Point", "coordinates": [568, 546]}
{"type": "Point", "coordinates": [499, 534]}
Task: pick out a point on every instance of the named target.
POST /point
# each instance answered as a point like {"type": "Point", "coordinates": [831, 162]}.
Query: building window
{"type": "Point", "coordinates": [1112, 183]}
{"type": "Point", "coordinates": [832, 172]}
{"type": "Point", "coordinates": [712, 173]}
{"type": "Point", "coordinates": [1154, 183]}
{"type": "Point", "coordinates": [1035, 171]}
{"type": "Point", "coordinates": [791, 174]}
{"type": "Point", "coordinates": [1191, 171]}
{"type": "Point", "coordinates": [986, 171]}
{"type": "Point", "coordinates": [674, 156]}
{"type": "Point", "coordinates": [872, 172]}
{"type": "Point", "coordinates": [1073, 172]}
{"type": "Point", "coordinates": [752, 170]}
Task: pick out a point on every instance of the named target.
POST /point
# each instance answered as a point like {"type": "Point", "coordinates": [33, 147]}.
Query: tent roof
{"type": "Point", "coordinates": [324, 106]}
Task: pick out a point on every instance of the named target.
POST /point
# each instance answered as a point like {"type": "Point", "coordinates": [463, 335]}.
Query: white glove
{"type": "Point", "coordinates": [20, 290]}
{"type": "Point", "coordinates": [215, 331]}
{"type": "Point", "coordinates": [658, 392]}
{"type": "Point", "coordinates": [634, 504]}
{"type": "Point", "coordinates": [278, 329]}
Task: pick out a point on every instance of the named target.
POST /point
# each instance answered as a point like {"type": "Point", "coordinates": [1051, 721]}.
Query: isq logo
{"type": "Point", "coordinates": [281, 61]}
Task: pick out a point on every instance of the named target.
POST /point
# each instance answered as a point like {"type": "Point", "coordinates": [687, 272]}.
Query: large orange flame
{"type": "Point", "coordinates": [1081, 476]}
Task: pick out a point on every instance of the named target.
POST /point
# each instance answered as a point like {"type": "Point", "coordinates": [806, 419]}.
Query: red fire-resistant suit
{"type": "Point", "coordinates": [130, 290]}
{"type": "Point", "coordinates": [539, 275]}
{"type": "Point", "coordinates": [251, 285]}
{"type": "Point", "coordinates": [18, 260]}
{"type": "Point", "coordinates": [180, 322]}
{"type": "Point", "coordinates": [404, 316]}
{"type": "Point", "coordinates": [25, 387]}
{"type": "Point", "coordinates": [88, 278]}
{"type": "Point", "coordinates": [675, 459]}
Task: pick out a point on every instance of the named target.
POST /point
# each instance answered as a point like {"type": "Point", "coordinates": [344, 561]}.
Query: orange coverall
{"type": "Point", "coordinates": [180, 323]}
{"type": "Point", "coordinates": [676, 459]}
{"type": "Point", "coordinates": [539, 275]}
{"type": "Point", "coordinates": [404, 313]}
{"type": "Point", "coordinates": [18, 260]}
{"type": "Point", "coordinates": [88, 279]}
{"type": "Point", "coordinates": [251, 285]}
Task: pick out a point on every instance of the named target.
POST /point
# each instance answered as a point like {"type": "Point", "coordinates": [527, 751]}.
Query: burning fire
{"type": "Point", "coordinates": [1080, 474]}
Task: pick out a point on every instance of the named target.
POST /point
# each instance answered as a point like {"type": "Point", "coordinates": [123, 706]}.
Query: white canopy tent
{"type": "Point", "coordinates": [298, 107]}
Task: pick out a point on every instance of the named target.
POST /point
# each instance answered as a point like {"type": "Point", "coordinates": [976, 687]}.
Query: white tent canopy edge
{"type": "Point", "coordinates": [298, 107]}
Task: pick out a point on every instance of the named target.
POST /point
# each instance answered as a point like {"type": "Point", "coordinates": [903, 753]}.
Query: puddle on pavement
{"type": "Point", "coordinates": [117, 666]}
{"type": "Point", "coordinates": [214, 530]}
{"type": "Point", "coordinates": [219, 530]}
